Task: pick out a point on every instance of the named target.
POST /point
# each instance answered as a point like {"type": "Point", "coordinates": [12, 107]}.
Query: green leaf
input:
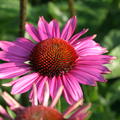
{"type": "Point", "coordinates": [115, 64]}
{"type": "Point", "coordinates": [55, 12]}
{"type": "Point", "coordinates": [11, 113]}
{"type": "Point", "coordinates": [112, 39]}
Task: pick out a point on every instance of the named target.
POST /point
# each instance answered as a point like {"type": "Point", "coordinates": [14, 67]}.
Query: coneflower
{"type": "Point", "coordinates": [59, 58]}
{"type": "Point", "coordinates": [43, 111]}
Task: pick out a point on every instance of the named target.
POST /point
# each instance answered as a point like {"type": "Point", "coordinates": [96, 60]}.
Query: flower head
{"type": "Point", "coordinates": [61, 59]}
{"type": "Point", "coordinates": [43, 111]}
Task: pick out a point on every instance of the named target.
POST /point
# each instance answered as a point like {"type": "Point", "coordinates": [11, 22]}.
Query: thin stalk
{"type": "Point", "coordinates": [71, 7]}
{"type": "Point", "coordinates": [58, 106]}
{"type": "Point", "coordinates": [23, 16]}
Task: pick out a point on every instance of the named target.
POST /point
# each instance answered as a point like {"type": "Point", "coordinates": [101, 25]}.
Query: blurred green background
{"type": "Point", "coordinates": [102, 17]}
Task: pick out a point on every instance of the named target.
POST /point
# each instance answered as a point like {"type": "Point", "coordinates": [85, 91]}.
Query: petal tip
{"type": "Point", "coordinates": [113, 58]}
{"type": "Point", "coordinates": [94, 36]}
{"type": "Point", "coordinates": [7, 84]}
{"type": "Point", "coordinates": [27, 24]}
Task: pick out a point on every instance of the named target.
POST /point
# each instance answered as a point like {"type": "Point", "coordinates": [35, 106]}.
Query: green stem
{"type": "Point", "coordinates": [71, 7]}
{"type": "Point", "coordinates": [90, 93]}
{"type": "Point", "coordinates": [23, 15]}
{"type": "Point", "coordinates": [58, 106]}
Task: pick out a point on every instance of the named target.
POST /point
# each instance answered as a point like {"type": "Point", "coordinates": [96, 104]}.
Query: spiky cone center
{"type": "Point", "coordinates": [53, 57]}
{"type": "Point", "coordinates": [39, 113]}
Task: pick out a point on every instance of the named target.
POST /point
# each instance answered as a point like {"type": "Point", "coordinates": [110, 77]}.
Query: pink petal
{"type": "Point", "coordinates": [88, 38]}
{"type": "Point", "coordinates": [46, 94]}
{"type": "Point", "coordinates": [81, 113]}
{"type": "Point", "coordinates": [14, 48]}
{"type": "Point", "coordinates": [83, 78]}
{"type": "Point", "coordinates": [72, 108]}
{"type": "Point", "coordinates": [31, 95]}
{"type": "Point", "coordinates": [41, 87]}
{"type": "Point", "coordinates": [55, 29]}
{"type": "Point", "coordinates": [72, 89]}
{"type": "Point", "coordinates": [55, 83]}
{"type": "Point", "coordinates": [11, 57]}
{"type": "Point", "coordinates": [86, 46]}
{"type": "Point", "coordinates": [8, 84]}
{"type": "Point", "coordinates": [10, 72]}
{"type": "Point", "coordinates": [95, 59]}
{"type": "Point", "coordinates": [24, 83]}
{"type": "Point", "coordinates": [4, 112]}
{"type": "Point", "coordinates": [43, 29]}
{"type": "Point", "coordinates": [1, 118]}
{"type": "Point", "coordinates": [69, 28]}
{"type": "Point", "coordinates": [92, 51]}
{"type": "Point", "coordinates": [11, 64]}
{"type": "Point", "coordinates": [89, 48]}
{"type": "Point", "coordinates": [97, 68]}
{"type": "Point", "coordinates": [57, 97]}
{"type": "Point", "coordinates": [34, 99]}
{"type": "Point", "coordinates": [33, 32]}
{"type": "Point", "coordinates": [92, 73]}
{"type": "Point", "coordinates": [53, 86]}
{"type": "Point", "coordinates": [11, 101]}
{"type": "Point", "coordinates": [28, 44]}
{"type": "Point", "coordinates": [67, 97]}
{"type": "Point", "coordinates": [76, 36]}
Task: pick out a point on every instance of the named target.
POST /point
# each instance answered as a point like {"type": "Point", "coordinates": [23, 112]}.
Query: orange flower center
{"type": "Point", "coordinates": [53, 57]}
{"type": "Point", "coordinates": [39, 113]}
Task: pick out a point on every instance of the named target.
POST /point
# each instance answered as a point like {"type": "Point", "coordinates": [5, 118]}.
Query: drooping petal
{"type": "Point", "coordinates": [75, 87]}
{"type": "Point", "coordinates": [69, 29]}
{"type": "Point", "coordinates": [33, 32]}
{"type": "Point", "coordinates": [1, 118]}
{"type": "Point", "coordinates": [34, 99]}
{"type": "Point", "coordinates": [83, 79]}
{"type": "Point", "coordinates": [11, 101]}
{"type": "Point", "coordinates": [11, 57]}
{"type": "Point", "coordinates": [72, 90]}
{"type": "Point", "coordinates": [4, 112]}
{"type": "Point", "coordinates": [24, 83]}
{"type": "Point", "coordinates": [12, 70]}
{"type": "Point", "coordinates": [55, 83]}
{"type": "Point", "coordinates": [46, 94]}
{"type": "Point", "coordinates": [41, 87]}
{"type": "Point", "coordinates": [14, 48]}
{"type": "Point", "coordinates": [10, 65]}
{"type": "Point", "coordinates": [54, 29]}
{"type": "Point", "coordinates": [53, 86]}
{"type": "Point", "coordinates": [57, 97]}
{"type": "Point", "coordinates": [43, 28]}
{"type": "Point", "coordinates": [71, 108]}
{"type": "Point", "coordinates": [97, 68]}
{"type": "Point", "coordinates": [28, 44]}
{"type": "Point", "coordinates": [36, 87]}
{"type": "Point", "coordinates": [90, 74]}
{"type": "Point", "coordinates": [81, 113]}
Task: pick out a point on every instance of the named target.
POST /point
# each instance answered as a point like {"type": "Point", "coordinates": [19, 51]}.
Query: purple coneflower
{"type": "Point", "coordinates": [43, 111]}
{"type": "Point", "coordinates": [59, 58]}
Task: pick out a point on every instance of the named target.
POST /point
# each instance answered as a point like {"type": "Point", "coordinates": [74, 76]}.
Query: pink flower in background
{"type": "Point", "coordinates": [43, 111]}
{"type": "Point", "coordinates": [59, 58]}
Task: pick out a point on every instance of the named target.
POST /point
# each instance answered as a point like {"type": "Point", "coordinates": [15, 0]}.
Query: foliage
{"type": "Point", "coordinates": [101, 17]}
